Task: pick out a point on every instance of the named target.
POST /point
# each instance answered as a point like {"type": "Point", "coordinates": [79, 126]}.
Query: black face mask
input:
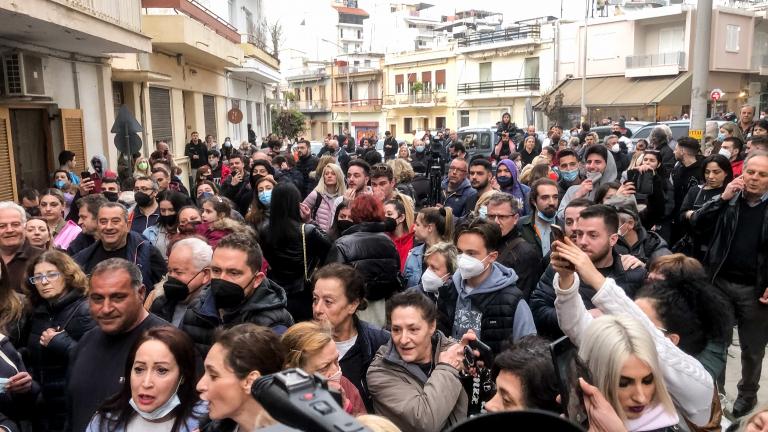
{"type": "Point", "coordinates": [33, 211]}
{"type": "Point", "coordinates": [617, 133]}
{"type": "Point", "coordinates": [169, 220]}
{"type": "Point", "coordinates": [228, 294]}
{"type": "Point", "coordinates": [175, 290]}
{"type": "Point", "coordinates": [344, 225]}
{"type": "Point", "coordinates": [190, 227]}
{"type": "Point", "coordinates": [110, 196]}
{"type": "Point", "coordinates": [142, 199]}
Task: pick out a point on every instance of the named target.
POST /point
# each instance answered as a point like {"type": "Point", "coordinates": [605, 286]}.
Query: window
{"type": "Point", "coordinates": [485, 72]}
{"type": "Point", "coordinates": [407, 124]}
{"type": "Point", "coordinates": [439, 122]}
{"type": "Point", "coordinates": [426, 80]}
{"type": "Point", "coordinates": [308, 93]}
{"type": "Point", "coordinates": [463, 118]}
{"type": "Point", "coordinates": [367, 63]}
{"type": "Point", "coordinates": [359, 34]}
{"type": "Point", "coordinates": [440, 80]}
{"type": "Point", "coordinates": [209, 115]}
{"type": "Point", "coordinates": [399, 84]}
{"type": "Point", "coordinates": [411, 26]}
{"type": "Point", "coordinates": [341, 33]}
{"type": "Point", "coordinates": [732, 38]}
{"type": "Point", "coordinates": [297, 93]}
{"type": "Point", "coordinates": [346, 47]}
{"type": "Point", "coordinates": [531, 67]}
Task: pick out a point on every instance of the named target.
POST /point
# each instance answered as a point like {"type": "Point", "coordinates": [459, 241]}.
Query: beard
{"type": "Point", "coordinates": [481, 186]}
{"type": "Point", "coordinates": [601, 254]}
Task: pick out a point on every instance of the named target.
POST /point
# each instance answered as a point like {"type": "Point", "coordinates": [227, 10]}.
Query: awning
{"type": "Point", "coordinates": [139, 76]}
{"type": "Point", "coordinates": [621, 91]}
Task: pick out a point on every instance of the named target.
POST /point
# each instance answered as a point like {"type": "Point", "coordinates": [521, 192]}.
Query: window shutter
{"type": "Point", "coordinates": [426, 77]}
{"type": "Point", "coordinates": [73, 132]}
{"type": "Point", "coordinates": [412, 77]}
{"type": "Point", "coordinates": [209, 115]}
{"type": "Point", "coordinates": [160, 112]}
{"type": "Point", "coordinates": [398, 79]}
{"type": "Point", "coordinates": [8, 190]}
{"type": "Point", "coordinates": [440, 77]}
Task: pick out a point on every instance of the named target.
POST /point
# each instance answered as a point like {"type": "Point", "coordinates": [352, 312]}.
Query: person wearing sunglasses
{"type": "Point", "coordinates": [59, 316]}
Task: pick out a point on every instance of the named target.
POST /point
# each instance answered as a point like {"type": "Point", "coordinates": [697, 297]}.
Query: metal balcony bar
{"type": "Point", "coordinates": [342, 70]}
{"type": "Point", "coordinates": [651, 60]}
{"type": "Point", "coordinates": [414, 98]}
{"type": "Point", "coordinates": [309, 105]}
{"type": "Point", "coordinates": [357, 102]}
{"type": "Point", "coordinates": [510, 34]}
{"type": "Point", "coordinates": [522, 84]}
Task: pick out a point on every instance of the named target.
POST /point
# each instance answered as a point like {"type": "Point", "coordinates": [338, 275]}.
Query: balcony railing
{"type": "Point", "coordinates": [358, 103]}
{"type": "Point", "coordinates": [197, 11]}
{"type": "Point", "coordinates": [415, 98]}
{"type": "Point", "coordinates": [651, 60]}
{"type": "Point", "coordinates": [309, 106]}
{"type": "Point", "coordinates": [513, 85]}
{"type": "Point", "coordinates": [343, 70]}
{"type": "Point", "coordinates": [123, 13]}
{"type": "Point", "coordinates": [511, 34]}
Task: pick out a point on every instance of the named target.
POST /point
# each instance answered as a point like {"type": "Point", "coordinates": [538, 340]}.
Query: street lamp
{"type": "Point", "coordinates": [349, 86]}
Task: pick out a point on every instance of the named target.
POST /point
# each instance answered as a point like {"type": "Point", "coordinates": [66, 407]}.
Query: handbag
{"type": "Point", "coordinates": [307, 274]}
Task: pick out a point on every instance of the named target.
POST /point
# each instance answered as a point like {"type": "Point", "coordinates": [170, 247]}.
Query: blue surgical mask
{"type": "Point", "coordinates": [265, 197]}
{"type": "Point", "coordinates": [482, 212]}
{"type": "Point", "coordinates": [569, 175]}
{"type": "Point", "coordinates": [546, 218]}
{"type": "Point", "coordinates": [721, 137]}
{"type": "Point", "coordinates": [161, 411]}
{"type": "Point", "coordinates": [419, 149]}
{"type": "Point", "coordinates": [60, 184]}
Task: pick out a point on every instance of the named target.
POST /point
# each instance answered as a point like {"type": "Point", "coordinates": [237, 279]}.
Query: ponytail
{"type": "Point", "coordinates": [442, 218]}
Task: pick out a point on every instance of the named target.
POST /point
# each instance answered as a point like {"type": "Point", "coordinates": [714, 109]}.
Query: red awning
{"type": "Point", "coordinates": [351, 11]}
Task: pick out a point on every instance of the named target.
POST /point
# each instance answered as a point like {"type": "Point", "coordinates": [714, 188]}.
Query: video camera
{"type": "Point", "coordinates": [435, 172]}
{"type": "Point", "coordinates": [301, 401]}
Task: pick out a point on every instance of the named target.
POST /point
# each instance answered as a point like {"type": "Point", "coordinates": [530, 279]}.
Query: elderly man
{"type": "Point", "coordinates": [737, 259]}
{"type": "Point", "coordinates": [746, 120]}
{"type": "Point", "coordinates": [457, 189]}
{"type": "Point", "coordinates": [97, 369]}
{"type": "Point", "coordinates": [147, 210]}
{"type": "Point", "coordinates": [116, 240]}
{"type": "Point", "coordinates": [14, 247]}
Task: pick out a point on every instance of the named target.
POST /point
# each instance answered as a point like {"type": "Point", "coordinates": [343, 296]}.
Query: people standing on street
{"type": "Point", "coordinates": [197, 152]}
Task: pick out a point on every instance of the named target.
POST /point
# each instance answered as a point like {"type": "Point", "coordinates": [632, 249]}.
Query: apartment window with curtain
{"type": "Point", "coordinates": [732, 37]}
{"type": "Point", "coordinates": [399, 84]}
{"type": "Point", "coordinates": [463, 118]}
{"type": "Point", "coordinates": [407, 125]}
{"type": "Point", "coordinates": [426, 79]}
{"type": "Point", "coordinates": [440, 80]}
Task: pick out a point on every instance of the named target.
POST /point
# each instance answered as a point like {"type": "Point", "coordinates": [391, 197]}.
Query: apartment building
{"type": "Point", "coordinates": [357, 95]}
{"type": "Point", "coordinates": [309, 91]}
{"type": "Point", "coordinates": [55, 83]}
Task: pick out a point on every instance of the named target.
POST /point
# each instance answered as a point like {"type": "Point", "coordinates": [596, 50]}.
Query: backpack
{"type": "Point", "coordinates": [316, 206]}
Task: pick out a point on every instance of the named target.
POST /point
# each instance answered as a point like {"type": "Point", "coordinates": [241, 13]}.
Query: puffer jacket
{"type": "Point", "coordinates": [265, 307]}
{"type": "Point", "coordinates": [721, 218]}
{"type": "Point", "coordinates": [356, 361]}
{"type": "Point", "coordinates": [324, 216]}
{"type": "Point", "coordinates": [367, 248]}
{"type": "Point", "coordinates": [286, 260]}
{"type": "Point", "coordinates": [48, 365]}
{"type": "Point", "coordinates": [649, 246]}
{"type": "Point", "coordinates": [305, 166]}
{"type": "Point", "coordinates": [543, 297]}
{"type": "Point", "coordinates": [457, 200]}
{"type": "Point", "coordinates": [415, 402]}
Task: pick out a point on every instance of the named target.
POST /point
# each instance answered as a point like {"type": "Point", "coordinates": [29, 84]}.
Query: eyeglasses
{"type": "Point", "coordinates": [499, 217]}
{"type": "Point", "coordinates": [50, 277]}
{"type": "Point", "coordinates": [457, 170]}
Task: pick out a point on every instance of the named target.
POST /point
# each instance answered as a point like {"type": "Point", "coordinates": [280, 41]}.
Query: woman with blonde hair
{"type": "Point", "coordinates": [311, 347]}
{"type": "Point", "coordinates": [319, 206]}
{"type": "Point", "coordinates": [141, 167]}
{"type": "Point", "coordinates": [403, 170]}
{"type": "Point", "coordinates": [404, 154]}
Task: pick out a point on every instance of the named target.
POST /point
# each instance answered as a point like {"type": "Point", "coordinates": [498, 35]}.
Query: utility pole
{"type": "Point", "coordinates": [700, 69]}
{"type": "Point", "coordinates": [584, 111]}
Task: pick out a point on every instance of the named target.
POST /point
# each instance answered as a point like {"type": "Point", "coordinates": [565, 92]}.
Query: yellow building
{"type": "Point", "coordinates": [311, 90]}
{"type": "Point", "coordinates": [420, 92]}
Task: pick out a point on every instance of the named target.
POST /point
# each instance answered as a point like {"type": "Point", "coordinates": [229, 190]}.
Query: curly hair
{"type": "Point", "coordinates": [74, 278]}
{"type": "Point", "coordinates": [402, 170]}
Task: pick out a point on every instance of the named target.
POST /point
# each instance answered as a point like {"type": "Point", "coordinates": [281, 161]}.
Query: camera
{"type": "Point", "coordinates": [302, 401]}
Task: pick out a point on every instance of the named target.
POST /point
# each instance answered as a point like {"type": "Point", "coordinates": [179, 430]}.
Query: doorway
{"type": "Point", "coordinates": [30, 148]}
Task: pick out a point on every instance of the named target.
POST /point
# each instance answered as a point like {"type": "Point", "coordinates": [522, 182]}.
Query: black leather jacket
{"type": "Point", "coordinates": [286, 260]}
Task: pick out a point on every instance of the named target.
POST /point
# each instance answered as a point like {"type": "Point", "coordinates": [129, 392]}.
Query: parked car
{"type": "Point", "coordinates": [477, 140]}
{"type": "Point", "coordinates": [679, 129]}
{"type": "Point", "coordinates": [603, 131]}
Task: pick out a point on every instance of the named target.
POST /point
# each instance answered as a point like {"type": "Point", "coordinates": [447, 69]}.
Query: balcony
{"type": "Point", "coordinates": [200, 13]}
{"type": "Point", "coordinates": [87, 27]}
{"type": "Point", "coordinates": [501, 88]}
{"type": "Point", "coordinates": [307, 75]}
{"type": "Point", "coordinates": [522, 35]}
{"type": "Point", "coordinates": [661, 64]}
{"type": "Point", "coordinates": [342, 71]}
{"type": "Point", "coordinates": [416, 99]}
{"type": "Point", "coordinates": [764, 64]}
{"type": "Point", "coordinates": [357, 105]}
{"type": "Point", "coordinates": [317, 106]}
{"type": "Point", "coordinates": [184, 35]}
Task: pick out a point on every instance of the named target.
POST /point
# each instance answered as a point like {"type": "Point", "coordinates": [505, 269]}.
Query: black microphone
{"type": "Point", "coordinates": [302, 401]}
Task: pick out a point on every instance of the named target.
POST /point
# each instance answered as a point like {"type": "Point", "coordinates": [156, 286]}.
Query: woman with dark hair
{"type": "Point", "coordinates": [342, 220]}
{"type": "Point", "coordinates": [717, 173]}
{"type": "Point", "coordinates": [292, 248]}
{"type": "Point", "coordinates": [159, 392]}
{"type": "Point", "coordinates": [58, 316]}
{"type": "Point", "coordinates": [239, 356]}
{"type": "Point", "coordinates": [508, 179]}
{"type": "Point", "coordinates": [402, 235]}
{"type": "Point", "coordinates": [167, 228]}
{"type": "Point", "coordinates": [368, 248]}
{"type": "Point", "coordinates": [205, 189]}
{"type": "Point", "coordinates": [650, 184]}
{"type": "Point", "coordinates": [262, 196]}
{"type": "Point", "coordinates": [38, 233]}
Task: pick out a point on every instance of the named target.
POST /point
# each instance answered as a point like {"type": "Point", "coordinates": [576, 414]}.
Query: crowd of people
{"type": "Point", "coordinates": [129, 302]}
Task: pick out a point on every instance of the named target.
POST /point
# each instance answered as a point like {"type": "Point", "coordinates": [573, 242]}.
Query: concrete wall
{"type": "Point", "coordinates": [731, 60]}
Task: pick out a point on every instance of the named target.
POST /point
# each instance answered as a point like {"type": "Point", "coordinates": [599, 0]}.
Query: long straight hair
{"type": "Point", "coordinates": [606, 346]}
{"type": "Point", "coordinates": [284, 216]}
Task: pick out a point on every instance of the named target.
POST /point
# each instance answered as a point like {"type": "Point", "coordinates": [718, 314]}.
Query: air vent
{"type": "Point", "coordinates": [23, 74]}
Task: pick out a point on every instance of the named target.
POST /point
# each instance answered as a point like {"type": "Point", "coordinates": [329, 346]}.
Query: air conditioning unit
{"type": "Point", "coordinates": [23, 74]}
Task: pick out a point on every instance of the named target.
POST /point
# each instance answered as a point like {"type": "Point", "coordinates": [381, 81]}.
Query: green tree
{"type": "Point", "coordinates": [288, 122]}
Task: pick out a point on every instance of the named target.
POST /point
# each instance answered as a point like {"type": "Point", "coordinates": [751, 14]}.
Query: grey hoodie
{"type": "Point", "coordinates": [466, 317]}
{"type": "Point", "coordinates": [609, 175]}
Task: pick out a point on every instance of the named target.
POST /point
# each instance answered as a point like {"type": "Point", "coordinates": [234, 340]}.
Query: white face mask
{"type": "Point", "coordinates": [431, 282]}
{"type": "Point", "coordinates": [161, 411]}
{"type": "Point", "coordinates": [470, 267]}
{"type": "Point", "coordinates": [725, 152]}
{"type": "Point", "coordinates": [615, 148]}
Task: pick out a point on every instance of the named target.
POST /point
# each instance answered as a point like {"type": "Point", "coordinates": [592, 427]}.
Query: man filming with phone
{"type": "Point", "coordinates": [601, 169]}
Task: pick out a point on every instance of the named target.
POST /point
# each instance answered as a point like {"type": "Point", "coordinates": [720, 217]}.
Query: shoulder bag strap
{"type": "Point", "coordinates": [304, 250]}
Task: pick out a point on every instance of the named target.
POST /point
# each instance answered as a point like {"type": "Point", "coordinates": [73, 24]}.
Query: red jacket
{"type": "Point", "coordinates": [403, 244]}
{"type": "Point", "coordinates": [737, 166]}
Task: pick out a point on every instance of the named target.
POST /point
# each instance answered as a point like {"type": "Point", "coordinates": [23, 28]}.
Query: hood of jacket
{"type": "Point", "coordinates": [267, 296]}
{"type": "Point", "coordinates": [459, 190]}
{"type": "Point", "coordinates": [373, 227]}
{"type": "Point", "coordinates": [390, 355]}
{"type": "Point", "coordinates": [500, 278]}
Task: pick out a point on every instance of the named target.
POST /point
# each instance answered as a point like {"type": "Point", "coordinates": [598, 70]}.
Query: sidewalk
{"type": "Point", "coordinates": [733, 374]}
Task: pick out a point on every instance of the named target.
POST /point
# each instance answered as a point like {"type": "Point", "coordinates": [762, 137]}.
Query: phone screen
{"type": "Point", "coordinates": [556, 233]}
{"type": "Point", "coordinates": [569, 368]}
